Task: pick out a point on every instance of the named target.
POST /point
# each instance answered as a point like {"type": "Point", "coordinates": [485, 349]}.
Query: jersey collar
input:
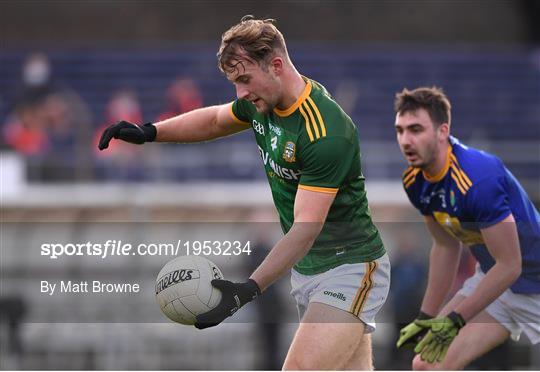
{"type": "Point", "coordinates": [439, 176]}
{"type": "Point", "coordinates": [305, 94]}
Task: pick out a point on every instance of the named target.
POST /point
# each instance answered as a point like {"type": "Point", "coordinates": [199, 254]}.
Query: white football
{"type": "Point", "coordinates": [183, 288]}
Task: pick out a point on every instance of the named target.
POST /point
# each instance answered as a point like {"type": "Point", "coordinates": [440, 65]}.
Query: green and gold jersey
{"type": "Point", "coordinates": [313, 145]}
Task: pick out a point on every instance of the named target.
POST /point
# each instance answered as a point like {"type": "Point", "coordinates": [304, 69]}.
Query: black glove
{"type": "Point", "coordinates": [233, 297]}
{"type": "Point", "coordinates": [128, 132]}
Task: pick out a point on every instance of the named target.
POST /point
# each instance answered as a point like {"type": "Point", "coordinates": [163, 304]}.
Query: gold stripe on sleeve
{"type": "Point", "coordinates": [411, 177]}
{"type": "Point", "coordinates": [458, 183]}
{"type": "Point", "coordinates": [466, 179]}
{"type": "Point", "coordinates": [407, 185]}
{"type": "Point", "coordinates": [308, 129]}
{"type": "Point", "coordinates": [458, 178]}
{"type": "Point", "coordinates": [326, 190]}
{"type": "Point", "coordinates": [407, 172]}
{"type": "Point", "coordinates": [308, 109]}
{"type": "Point", "coordinates": [319, 117]}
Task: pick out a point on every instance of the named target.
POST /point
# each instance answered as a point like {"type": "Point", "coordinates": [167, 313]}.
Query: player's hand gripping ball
{"type": "Point", "coordinates": [234, 296]}
{"type": "Point", "coordinates": [184, 289]}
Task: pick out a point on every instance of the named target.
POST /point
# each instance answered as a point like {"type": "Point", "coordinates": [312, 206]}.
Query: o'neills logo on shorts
{"type": "Point", "coordinates": [339, 296]}
{"type": "Point", "coordinates": [174, 277]}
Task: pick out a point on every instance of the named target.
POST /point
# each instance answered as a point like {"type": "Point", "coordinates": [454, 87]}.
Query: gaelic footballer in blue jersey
{"type": "Point", "coordinates": [467, 197]}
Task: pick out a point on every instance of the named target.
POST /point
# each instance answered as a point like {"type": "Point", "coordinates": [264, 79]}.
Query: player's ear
{"type": "Point", "coordinates": [444, 131]}
{"type": "Point", "coordinates": [276, 65]}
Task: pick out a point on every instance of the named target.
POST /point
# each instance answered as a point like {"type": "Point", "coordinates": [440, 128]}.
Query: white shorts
{"type": "Point", "coordinates": [360, 289]}
{"type": "Point", "coordinates": [516, 312]}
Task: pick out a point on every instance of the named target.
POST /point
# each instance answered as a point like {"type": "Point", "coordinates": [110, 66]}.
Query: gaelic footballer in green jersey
{"type": "Point", "coordinates": [314, 145]}
{"type": "Point", "coordinates": [309, 147]}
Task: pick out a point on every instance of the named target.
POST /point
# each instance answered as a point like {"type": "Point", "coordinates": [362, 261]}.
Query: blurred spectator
{"type": "Point", "coordinates": [69, 129]}
{"type": "Point", "coordinates": [37, 82]}
{"type": "Point", "coordinates": [49, 126]}
{"type": "Point", "coordinates": [121, 160]}
{"type": "Point", "coordinates": [183, 95]}
{"type": "Point", "coordinates": [25, 132]}
{"type": "Point", "coordinates": [25, 128]}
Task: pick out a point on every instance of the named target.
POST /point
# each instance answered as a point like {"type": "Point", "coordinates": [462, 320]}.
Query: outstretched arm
{"type": "Point", "coordinates": [199, 125]}
{"type": "Point", "coordinates": [195, 126]}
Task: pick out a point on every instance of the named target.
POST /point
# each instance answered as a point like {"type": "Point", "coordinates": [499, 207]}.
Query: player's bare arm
{"type": "Point", "coordinates": [443, 265]}
{"type": "Point", "coordinates": [502, 243]}
{"type": "Point", "coordinates": [310, 211]}
{"type": "Point", "coordinates": [199, 125]}
{"type": "Point", "coordinates": [195, 126]}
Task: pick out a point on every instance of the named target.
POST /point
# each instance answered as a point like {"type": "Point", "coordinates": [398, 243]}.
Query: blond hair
{"type": "Point", "coordinates": [253, 39]}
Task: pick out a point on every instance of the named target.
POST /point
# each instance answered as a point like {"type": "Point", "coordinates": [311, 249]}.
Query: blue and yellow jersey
{"type": "Point", "coordinates": [475, 191]}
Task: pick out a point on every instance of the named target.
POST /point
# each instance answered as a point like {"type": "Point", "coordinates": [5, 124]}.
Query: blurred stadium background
{"type": "Point", "coordinates": [69, 68]}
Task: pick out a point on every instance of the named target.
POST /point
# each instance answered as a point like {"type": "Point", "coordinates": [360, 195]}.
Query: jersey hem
{"type": "Point", "coordinates": [341, 261]}
{"type": "Point", "coordinates": [485, 225]}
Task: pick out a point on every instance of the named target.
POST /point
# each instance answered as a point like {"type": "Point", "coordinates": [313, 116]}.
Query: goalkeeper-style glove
{"type": "Point", "coordinates": [233, 297]}
{"type": "Point", "coordinates": [126, 131]}
{"type": "Point", "coordinates": [412, 333]}
{"type": "Point", "coordinates": [442, 331]}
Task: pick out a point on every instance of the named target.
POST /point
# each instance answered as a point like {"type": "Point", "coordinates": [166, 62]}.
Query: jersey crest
{"type": "Point", "coordinates": [288, 153]}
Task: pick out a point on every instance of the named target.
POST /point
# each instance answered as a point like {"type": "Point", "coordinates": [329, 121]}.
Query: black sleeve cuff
{"type": "Point", "coordinates": [457, 319]}
{"type": "Point", "coordinates": [423, 316]}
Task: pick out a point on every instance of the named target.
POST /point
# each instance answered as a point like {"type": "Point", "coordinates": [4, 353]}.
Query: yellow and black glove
{"type": "Point", "coordinates": [412, 333]}
{"type": "Point", "coordinates": [442, 331]}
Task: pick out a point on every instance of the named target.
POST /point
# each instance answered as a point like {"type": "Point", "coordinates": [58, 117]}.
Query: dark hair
{"type": "Point", "coordinates": [256, 39]}
{"type": "Point", "coordinates": [433, 100]}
